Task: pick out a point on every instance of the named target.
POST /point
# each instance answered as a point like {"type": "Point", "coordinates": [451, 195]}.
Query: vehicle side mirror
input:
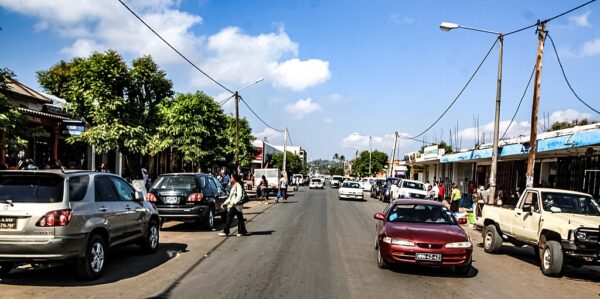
{"type": "Point", "coordinates": [379, 216]}
{"type": "Point", "coordinates": [527, 208]}
{"type": "Point", "coordinates": [138, 196]}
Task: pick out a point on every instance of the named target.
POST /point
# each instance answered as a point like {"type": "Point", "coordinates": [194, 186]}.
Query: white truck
{"type": "Point", "coordinates": [407, 189]}
{"type": "Point", "coordinates": [271, 174]}
{"type": "Point", "coordinates": [562, 226]}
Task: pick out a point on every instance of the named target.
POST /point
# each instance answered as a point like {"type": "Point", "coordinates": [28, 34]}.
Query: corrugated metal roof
{"type": "Point", "coordinates": [21, 89]}
{"type": "Point", "coordinates": [39, 113]}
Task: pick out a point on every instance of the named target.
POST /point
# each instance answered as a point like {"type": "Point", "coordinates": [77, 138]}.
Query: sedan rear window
{"type": "Point", "coordinates": [419, 213]}
{"type": "Point", "coordinates": [31, 188]}
{"type": "Point", "coordinates": [175, 182]}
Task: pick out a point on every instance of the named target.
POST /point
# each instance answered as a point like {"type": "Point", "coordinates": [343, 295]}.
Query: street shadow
{"type": "Point", "coordinates": [288, 201]}
{"type": "Point", "coordinates": [177, 226]}
{"type": "Point", "coordinates": [430, 271]}
{"type": "Point", "coordinates": [260, 233]}
{"type": "Point", "coordinates": [526, 254]}
{"type": "Point", "coordinates": [121, 263]}
{"type": "Point", "coordinates": [253, 213]}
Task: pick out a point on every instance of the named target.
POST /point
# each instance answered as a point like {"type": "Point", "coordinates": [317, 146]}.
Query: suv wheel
{"type": "Point", "coordinates": [149, 243]}
{"type": "Point", "coordinates": [5, 268]}
{"type": "Point", "coordinates": [552, 259]}
{"type": "Point", "coordinates": [208, 221]}
{"type": "Point", "coordinates": [91, 265]}
{"type": "Point", "coordinates": [492, 241]}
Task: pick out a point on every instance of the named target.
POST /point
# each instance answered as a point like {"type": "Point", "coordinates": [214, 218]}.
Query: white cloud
{"type": "Point", "coordinates": [589, 48]}
{"type": "Point", "coordinates": [580, 20]}
{"type": "Point", "coordinates": [568, 115]}
{"type": "Point", "coordinates": [383, 143]}
{"type": "Point", "coordinates": [229, 55]}
{"type": "Point", "coordinates": [398, 20]}
{"type": "Point", "coordinates": [335, 97]}
{"type": "Point", "coordinates": [302, 108]}
{"type": "Point", "coordinates": [270, 134]}
{"type": "Point", "coordinates": [328, 120]}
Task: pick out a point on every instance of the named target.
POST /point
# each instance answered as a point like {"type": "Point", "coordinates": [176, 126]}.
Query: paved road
{"type": "Point", "coordinates": [316, 246]}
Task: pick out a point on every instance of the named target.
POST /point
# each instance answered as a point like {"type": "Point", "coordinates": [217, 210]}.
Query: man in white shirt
{"type": "Point", "coordinates": [283, 184]}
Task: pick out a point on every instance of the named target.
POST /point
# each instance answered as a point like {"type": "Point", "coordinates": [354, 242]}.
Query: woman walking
{"type": "Point", "coordinates": [234, 207]}
{"type": "Point", "coordinates": [263, 188]}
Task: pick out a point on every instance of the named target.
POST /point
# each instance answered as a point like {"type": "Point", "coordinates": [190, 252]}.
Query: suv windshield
{"type": "Point", "coordinates": [570, 203]}
{"type": "Point", "coordinates": [31, 188]}
{"type": "Point", "coordinates": [418, 213]}
{"type": "Point", "coordinates": [175, 182]}
{"type": "Point", "coordinates": [413, 185]}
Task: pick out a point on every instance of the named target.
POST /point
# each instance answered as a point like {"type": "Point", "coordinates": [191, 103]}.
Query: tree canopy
{"type": "Point", "coordinates": [560, 125]}
{"type": "Point", "coordinates": [293, 162]}
{"type": "Point", "coordinates": [360, 167]}
{"type": "Point", "coordinates": [10, 117]}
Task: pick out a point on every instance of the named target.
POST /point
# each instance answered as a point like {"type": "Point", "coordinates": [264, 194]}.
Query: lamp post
{"type": "Point", "coordinates": [237, 122]}
{"type": "Point", "coordinates": [445, 26]}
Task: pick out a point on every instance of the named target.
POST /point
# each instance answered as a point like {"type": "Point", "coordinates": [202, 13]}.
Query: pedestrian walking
{"type": "Point", "coordinates": [441, 191]}
{"type": "Point", "coordinates": [234, 206]}
{"type": "Point", "coordinates": [455, 197]}
{"type": "Point", "coordinates": [282, 188]}
{"type": "Point", "coordinates": [263, 189]}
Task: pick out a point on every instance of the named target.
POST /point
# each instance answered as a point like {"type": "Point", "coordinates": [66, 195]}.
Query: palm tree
{"type": "Point", "coordinates": [336, 157]}
{"type": "Point", "coordinates": [342, 159]}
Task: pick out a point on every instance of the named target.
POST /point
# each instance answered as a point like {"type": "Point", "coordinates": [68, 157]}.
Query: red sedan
{"type": "Point", "coordinates": [422, 232]}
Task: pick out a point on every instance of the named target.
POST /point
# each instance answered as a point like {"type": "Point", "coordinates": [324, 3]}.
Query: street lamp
{"type": "Point", "coordinates": [446, 26]}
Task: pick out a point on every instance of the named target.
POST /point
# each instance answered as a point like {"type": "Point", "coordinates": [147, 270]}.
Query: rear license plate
{"type": "Point", "coordinates": [171, 199]}
{"type": "Point", "coordinates": [428, 257]}
{"type": "Point", "coordinates": [8, 223]}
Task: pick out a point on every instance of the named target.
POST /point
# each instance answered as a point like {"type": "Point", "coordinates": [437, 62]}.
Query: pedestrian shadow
{"type": "Point", "coordinates": [181, 226]}
{"type": "Point", "coordinates": [418, 270]}
{"type": "Point", "coordinates": [121, 263]}
{"type": "Point", "coordinates": [526, 254]}
{"type": "Point", "coordinates": [261, 233]}
{"type": "Point", "coordinates": [288, 201]}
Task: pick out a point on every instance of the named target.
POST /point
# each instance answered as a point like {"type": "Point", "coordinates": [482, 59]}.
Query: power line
{"type": "Point", "coordinates": [223, 102]}
{"type": "Point", "coordinates": [520, 102]}
{"type": "Point", "coordinates": [259, 118]}
{"type": "Point", "coordinates": [551, 18]}
{"type": "Point", "coordinates": [176, 51]}
{"type": "Point", "coordinates": [457, 97]}
{"type": "Point", "coordinates": [565, 76]}
{"type": "Point", "coordinates": [290, 138]}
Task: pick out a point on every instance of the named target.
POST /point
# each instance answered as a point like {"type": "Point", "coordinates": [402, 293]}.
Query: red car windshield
{"type": "Point", "coordinates": [419, 213]}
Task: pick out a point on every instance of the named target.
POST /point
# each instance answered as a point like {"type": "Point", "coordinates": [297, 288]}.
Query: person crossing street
{"type": "Point", "coordinates": [282, 188]}
{"type": "Point", "coordinates": [234, 207]}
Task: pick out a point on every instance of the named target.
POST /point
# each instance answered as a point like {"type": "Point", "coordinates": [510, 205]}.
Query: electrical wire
{"type": "Point", "coordinates": [519, 105]}
{"type": "Point", "coordinates": [173, 48]}
{"type": "Point", "coordinates": [565, 76]}
{"type": "Point", "coordinates": [457, 97]}
{"type": "Point", "coordinates": [259, 118]}
{"type": "Point", "coordinates": [223, 102]}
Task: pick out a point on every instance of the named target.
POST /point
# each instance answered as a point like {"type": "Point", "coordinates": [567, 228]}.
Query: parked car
{"type": "Point", "coordinates": [377, 183]}
{"type": "Point", "coordinates": [408, 189]}
{"type": "Point", "coordinates": [351, 190]}
{"type": "Point", "coordinates": [316, 184]}
{"type": "Point", "coordinates": [416, 231]}
{"type": "Point", "coordinates": [562, 226]}
{"type": "Point", "coordinates": [335, 181]}
{"type": "Point", "coordinates": [384, 193]}
{"type": "Point", "coordinates": [49, 216]}
{"type": "Point", "coordinates": [366, 183]}
{"type": "Point", "coordinates": [188, 196]}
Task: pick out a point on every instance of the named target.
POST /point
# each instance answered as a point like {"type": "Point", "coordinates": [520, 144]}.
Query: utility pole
{"type": "Point", "coordinates": [285, 137]}
{"type": "Point", "coordinates": [370, 153]}
{"type": "Point", "coordinates": [237, 131]}
{"type": "Point", "coordinates": [393, 153]}
{"type": "Point", "coordinates": [541, 30]}
{"type": "Point", "coordinates": [493, 171]}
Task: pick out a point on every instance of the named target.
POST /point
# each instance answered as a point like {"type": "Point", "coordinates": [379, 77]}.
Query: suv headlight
{"type": "Point", "coordinates": [400, 242]}
{"type": "Point", "coordinates": [459, 245]}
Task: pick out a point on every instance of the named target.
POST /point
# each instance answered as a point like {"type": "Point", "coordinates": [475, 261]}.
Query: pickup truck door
{"type": "Point", "coordinates": [526, 224]}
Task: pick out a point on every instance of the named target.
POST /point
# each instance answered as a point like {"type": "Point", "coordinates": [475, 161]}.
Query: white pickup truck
{"type": "Point", "coordinates": [562, 226]}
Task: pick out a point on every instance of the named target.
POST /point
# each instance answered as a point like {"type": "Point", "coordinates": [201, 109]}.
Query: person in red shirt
{"type": "Point", "coordinates": [441, 191]}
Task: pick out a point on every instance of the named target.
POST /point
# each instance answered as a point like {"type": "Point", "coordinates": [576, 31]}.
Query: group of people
{"type": "Point", "coordinates": [263, 190]}
{"type": "Point", "coordinates": [437, 191]}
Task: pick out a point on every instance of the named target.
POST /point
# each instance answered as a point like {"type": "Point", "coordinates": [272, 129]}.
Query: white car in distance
{"type": "Point", "coordinates": [408, 189]}
{"type": "Point", "coordinates": [351, 190]}
{"type": "Point", "coordinates": [316, 184]}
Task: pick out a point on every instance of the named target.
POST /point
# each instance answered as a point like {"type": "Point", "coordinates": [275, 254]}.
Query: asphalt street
{"type": "Point", "coordinates": [315, 246]}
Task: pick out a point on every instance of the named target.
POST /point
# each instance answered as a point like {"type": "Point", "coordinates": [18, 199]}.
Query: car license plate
{"type": "Point", "coordinates": [8, 223]}
{"type": "Point", "coordinates": [428, 257]}
{"type": "Point", "coordinates": [171, 199]}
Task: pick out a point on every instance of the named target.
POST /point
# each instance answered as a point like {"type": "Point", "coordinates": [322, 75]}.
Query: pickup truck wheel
{"type": "Point", "coordinates": [552, 259]}
{"type": "Point", "coordinates": [492, 241]}
{"type": "Point", "coordinates": [5, 268]}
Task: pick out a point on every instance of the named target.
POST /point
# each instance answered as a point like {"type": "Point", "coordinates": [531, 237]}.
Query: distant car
{"type": "Point", "coordinates": [383, 192]}
{"type": "Point", "coordinates": [377, 183]}
{"type": "Point", "coordinates": [366, 183]}
{"type": "Point", "coordinates": [335, 181]}
{"type": "Point", "coordinates": [50, 216]}
{"type": "Point", "coordinates": [408, 189]}
{"type": "Point", "coordinates": [316, 184]}
{"type": "Point", "coordinates": [188, 196]}
{"type": "Point", "coordinates": [298, 179]}
{"type": "Point", "coordinates": [351, 190]}
{"type": "Point", "coordinates": [422, 232]}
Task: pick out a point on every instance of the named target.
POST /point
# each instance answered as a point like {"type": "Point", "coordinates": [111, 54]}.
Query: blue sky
{"type": "Point", "coordinates": [335, 72]}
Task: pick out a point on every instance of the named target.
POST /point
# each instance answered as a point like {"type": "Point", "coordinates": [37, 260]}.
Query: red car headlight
{"type": "Point", "coordinates": [399, 242]}
{"type": "Point", "coordinates": [459, 245]}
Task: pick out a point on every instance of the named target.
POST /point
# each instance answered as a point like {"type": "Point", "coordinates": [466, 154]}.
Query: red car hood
{"type": "Point", "coordinates": [426, 233]}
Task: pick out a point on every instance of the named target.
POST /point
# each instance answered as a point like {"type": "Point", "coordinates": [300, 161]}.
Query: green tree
{"type": "Point", "coordinates": [10, 118]}
{"type": "Point", "coordinates": [293, 162]}
{"type": "Point", "coordinates": [361, 164]}
{"type": "Point", "coordinates": [196, 124]}
{"type": "Point", "coordinates": [560, 125]}
{"type": "Point", "coordinates": [441, 145]}
{"type": "Point", "coordinates": [247, 150]}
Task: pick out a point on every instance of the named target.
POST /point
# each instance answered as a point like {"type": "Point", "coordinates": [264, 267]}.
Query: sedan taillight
{"type": "Point", "coordinates": [56, 218]}
{"type": "Point", "coordinates": [195, 197]}
{"type": "Point", "coordinates": [150, 197]}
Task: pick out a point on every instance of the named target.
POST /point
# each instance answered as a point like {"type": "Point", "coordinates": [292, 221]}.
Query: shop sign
{"type": "Point", "coordinates": [430, 152]}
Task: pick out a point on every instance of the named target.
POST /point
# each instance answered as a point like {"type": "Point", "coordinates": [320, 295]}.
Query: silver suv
{"type": "Point", "coordinates": [49, 216]}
